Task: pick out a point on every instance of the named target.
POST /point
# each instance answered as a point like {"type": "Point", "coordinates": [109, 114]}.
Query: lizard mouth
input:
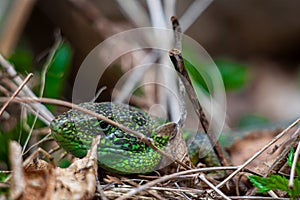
{"type": "Point", "coordinates": [67, 139]}
{"type": "Point", "coordinates": [76, 148]}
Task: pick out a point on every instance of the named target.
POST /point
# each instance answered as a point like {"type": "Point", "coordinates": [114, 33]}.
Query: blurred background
{"type": "Point", "coordinates": [255, 44]}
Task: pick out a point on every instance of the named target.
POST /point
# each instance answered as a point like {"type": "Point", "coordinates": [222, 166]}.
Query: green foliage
{"type": "Point", "coordinates": [3, 176]}
{"type": "Point", "coordinates": [277, 182]}
{"type": "Point", "coordinates": [290, 157]}
{"type": "Point", "coordinates": [64, 163]}
{"type": "Point", "coordinates": [22, 59]}
{"type": "Point", "coordinates": [55, 77]}
{"type": "Point", "coordinates": [274, 182]}
{"type": "Point", "coordinates": [234, 75]}
{"type": "Point", "coordinates": [251, 120]}
{"type": "Point", "coordinates": [195, 75]}
{"type": "Point", "coordinates": [290, 162]}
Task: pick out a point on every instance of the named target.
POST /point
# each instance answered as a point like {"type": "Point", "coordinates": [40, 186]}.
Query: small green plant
{"type": "Point", "coordinates": [277, 182]}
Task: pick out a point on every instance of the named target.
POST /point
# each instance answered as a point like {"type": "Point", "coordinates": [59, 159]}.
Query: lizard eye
{"type": "Point", "coordinates": [104, 126]}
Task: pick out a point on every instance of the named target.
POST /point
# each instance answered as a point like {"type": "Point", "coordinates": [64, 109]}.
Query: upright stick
{"type": "Point", "coordinates": [177, 60]}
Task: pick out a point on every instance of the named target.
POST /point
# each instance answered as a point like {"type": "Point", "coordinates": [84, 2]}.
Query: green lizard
{"type": "Point", "coordinates": [118, 151]}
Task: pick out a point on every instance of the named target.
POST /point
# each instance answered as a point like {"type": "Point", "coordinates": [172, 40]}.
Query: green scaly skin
{"type": "Point", "coordinates": [118, 151]}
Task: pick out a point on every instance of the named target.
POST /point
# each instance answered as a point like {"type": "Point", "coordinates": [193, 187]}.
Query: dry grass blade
{"type": "Point", "coordinates": [203, 178]}
{"type": "Point", "coordinates": [45, 115]}
{"type": "Point", "coordinates": [52, 52]}
{"type": "Point", "coordinates": [169, 177]}
{"type": "Point", "coordinates": [29, 76]}
{"type": "Point", "coordinates": [45, 139]}
{"type": "Point", "coordinates": [257, 198]}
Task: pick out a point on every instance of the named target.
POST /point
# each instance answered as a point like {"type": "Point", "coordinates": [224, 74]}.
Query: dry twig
{"type": "Point", "coordinates": [16, 92]}
{"type": "Point", "coordinates": [177, 60]}
{"type": "Point", "coordinates": [203, 178]}
{"type": "Point", "coordinates": [169, 177]}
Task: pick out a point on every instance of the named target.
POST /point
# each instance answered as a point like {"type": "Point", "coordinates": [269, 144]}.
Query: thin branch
{"type": "Point", "coordinates": [169, 177]}
{"type": "Point", "coordinates": [45, 139]}
{"type": "Point", "coordinates": [191, 190]}
{"type": "Point", "coordinates": [16, 92]}
{"type": "Point", "coordinates": [54, 149]}
{"type": "Point", "coordinates": [177, 60]}
{"type": "Point", "coordinates": [203, 178]}
{"type": "Point", "coordinates": [182, 193]}
{"type": "Point", "coordinates": [178, 44]}
{"type": "Point", "coordinates": [293, 169]}
{"type": "Point", "coordinates": [257, 198]}
{"type": "Point", "coordinates": [177, 33]}
{"type": "Point", "coordinates": [30, 132]}
{"type": "Point", "coordinates": [258, 153]}
{"type": "Point", "coordinates": [98, 93]}
{"type": "Point", "coordinates": [35, 154]}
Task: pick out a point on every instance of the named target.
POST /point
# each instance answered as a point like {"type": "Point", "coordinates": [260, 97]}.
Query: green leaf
{"type": "Point", "coordinates": [64, 163]}
{"type": "Point", "coordinates": [259, 183]}
{"type": "Point", "coordinates": [290, 161]}
{"type": "Point", "coordinates": [277, 182]}
{"type": "Point", "coordinates": [274, 182]}
{"type": "Point", "coordinates": [196, 77]}
{"type": "Point", "coordinates": [296, 189]}
{"type": "Point", "coordinates": [298, 169]}
{"type": "Point", "coordinates": [290, 157]}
